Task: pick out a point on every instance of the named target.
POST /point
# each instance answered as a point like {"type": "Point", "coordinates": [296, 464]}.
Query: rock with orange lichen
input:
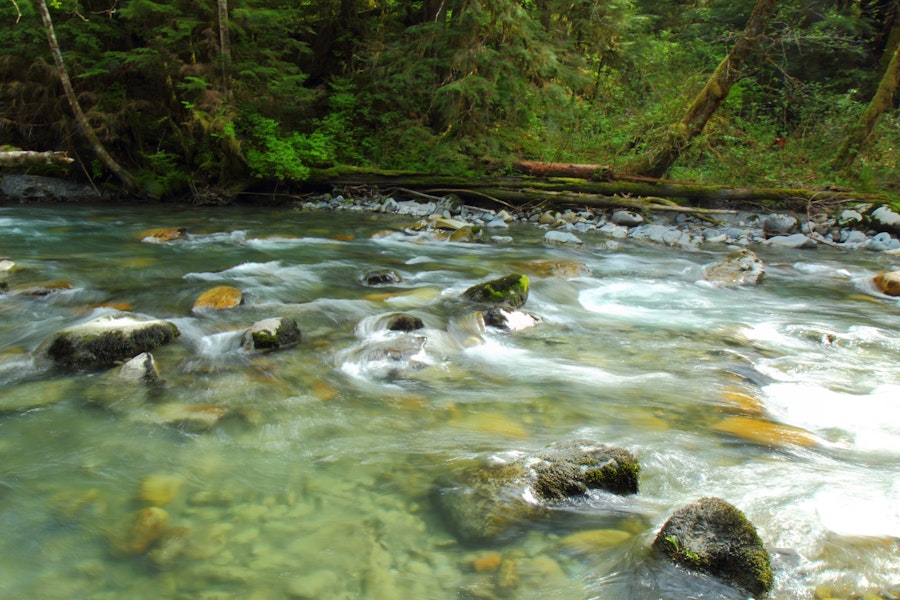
{"type": "Point", "coordinates": [221, 297]}
{"type": "Point", "coordinates": [888, 283]}
{"type": "Point", "coordinates": [163, 234]}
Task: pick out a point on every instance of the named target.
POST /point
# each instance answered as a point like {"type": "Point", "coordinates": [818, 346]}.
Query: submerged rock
{"type": "Point", "coordinates": [486, 502]}
{"type": "Point", "coordinates": [219, 298]}
{"type": "Point", "coordinates": [495, 500]}
{"type": "Point", "coordinates": [714, 537]}
{"type": "Point", "coordinates": [888, 283]}
{"type": "Point", "coordinates": [140, 369]}
{"type": "Point", "coordinates": [107, 340]}
{"type": "Point", "coordinates": [147, 525]}
{"type": "Point", "coordinates": [738, 268]}
{"type": "Point", "coordinates": [511, 290]}
{"type": "Point", "coordinates": [160, 489]}
{"type": "Point", "coordinates": [272, 334]}
{"type": "Point", "coordinates": [765, 432]}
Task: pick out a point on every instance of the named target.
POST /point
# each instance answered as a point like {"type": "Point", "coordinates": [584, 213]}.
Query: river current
{"type": "Point", "coordinates": [781, 398]}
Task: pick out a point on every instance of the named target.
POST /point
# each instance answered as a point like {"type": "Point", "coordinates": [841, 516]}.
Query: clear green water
{"type": "Point", "coordinates": [320, 481]}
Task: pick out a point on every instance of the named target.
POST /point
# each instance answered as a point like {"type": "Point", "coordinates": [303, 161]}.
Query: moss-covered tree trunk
{"type": "Point", "coordinates": [859, 133]}
{"type": "Point", "coordinates": [83, 125]}
{"type": "Point", "coordinates": [710, 97]}
{"type": "Point", "coordinates": [225, 48]}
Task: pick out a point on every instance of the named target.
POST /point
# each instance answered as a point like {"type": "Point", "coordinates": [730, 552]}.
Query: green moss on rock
{"type": "Point", "coordinates": [511, 291]}
{"type": "Point", "coordinates": [714, 537]}
{"type": "Point", "coordinates": [573, 468]}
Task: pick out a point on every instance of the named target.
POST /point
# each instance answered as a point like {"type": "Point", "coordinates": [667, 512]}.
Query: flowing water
{"type": "Point", "coordinates": [783, 399]}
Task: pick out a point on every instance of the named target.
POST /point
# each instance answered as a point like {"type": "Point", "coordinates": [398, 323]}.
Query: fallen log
{"type": "Point", "coordinates": [15, 158]}
{"type": "Point", "coordinates": [619, 186]}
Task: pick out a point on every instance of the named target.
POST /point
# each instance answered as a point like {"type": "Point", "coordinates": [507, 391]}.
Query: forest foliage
{"type": "Point", "coordinates": [445, 86]}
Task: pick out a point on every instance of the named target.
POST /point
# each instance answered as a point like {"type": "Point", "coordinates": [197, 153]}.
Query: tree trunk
{"type": "Point", "coordinates": [710, 97]}
{"type": "Point", "coordinates": [225, 48]}
{"type": "Point", "coordinates": [858, 135]}
{"type": "Point", "coordinates": [13, 158]}
{"type": "Point", "coordinates": [533, 189]}
{"type": "Point", "coordinates": [83, 125]}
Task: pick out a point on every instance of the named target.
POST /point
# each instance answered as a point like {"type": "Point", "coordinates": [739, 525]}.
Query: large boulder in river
{"type": "Point", "coordinates": [107, 340]}
{"type": "Point", "coordinates": [714, 537]}
{"type": "Point", "coordinates": [272, 334]}
{"type": "Point", "coordinates": [495, 499]}
{"type": "Point", "coordinates": [738, 268]}
{"type": "Point", "coordinates": [511, 291]}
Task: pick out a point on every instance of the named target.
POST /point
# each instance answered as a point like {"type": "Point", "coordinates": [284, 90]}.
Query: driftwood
{"type": "Point", "coordinates": [15, 158]}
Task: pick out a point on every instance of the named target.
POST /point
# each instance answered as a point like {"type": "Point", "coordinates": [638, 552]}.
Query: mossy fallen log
{"type": "Point", "coordinates": [617, 191]}
{"type": "Point", "coordinates": [15, 158]}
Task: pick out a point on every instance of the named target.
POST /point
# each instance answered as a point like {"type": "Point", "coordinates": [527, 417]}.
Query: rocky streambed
{"type": "Point", "coordinates": [357, 407]}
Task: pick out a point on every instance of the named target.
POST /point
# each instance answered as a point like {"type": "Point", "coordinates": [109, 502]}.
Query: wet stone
{"type": "Point", "coordinates": [218, 298]}
{"type": "Point", "coordinates": [381, 277]}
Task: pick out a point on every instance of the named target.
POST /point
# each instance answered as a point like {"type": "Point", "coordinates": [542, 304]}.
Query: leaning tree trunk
{"type": "Point", "coordinates": [858, 134]}
{"type": "Point", "coordinates": [709, 99]}
{"type": "Point", "coordinates": [85, 127]}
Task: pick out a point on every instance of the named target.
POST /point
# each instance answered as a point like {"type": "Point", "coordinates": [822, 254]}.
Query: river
{"type": "Point", "coordinates": [781, 398]}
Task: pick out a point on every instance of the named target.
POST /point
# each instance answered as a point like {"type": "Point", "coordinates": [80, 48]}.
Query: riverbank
{"type": "Point", "coordinates": [843, 225]}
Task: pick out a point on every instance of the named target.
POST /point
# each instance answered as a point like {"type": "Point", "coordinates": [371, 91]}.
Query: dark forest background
{"type": "Point", "coordinates": [190, 95]}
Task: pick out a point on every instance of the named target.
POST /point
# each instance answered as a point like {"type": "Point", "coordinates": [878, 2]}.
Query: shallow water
{"type": "Point", "coordinates": [320, 482]}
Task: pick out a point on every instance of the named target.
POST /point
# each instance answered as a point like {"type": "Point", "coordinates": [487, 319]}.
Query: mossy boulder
{"type": "Point", "coordinates": [272, 334]}
{"type": "Point", "coordinates": [714, 537]}
{"type": "Point", "coordinates": [575, 467]}
{"type": "Point", "coordinates": [107, 340]}
{"type": "Point", "coordinates": [511, 291]}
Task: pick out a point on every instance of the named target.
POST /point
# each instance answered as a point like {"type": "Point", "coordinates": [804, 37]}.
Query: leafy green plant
{"type": "Point", "coordinates": [274, 153]}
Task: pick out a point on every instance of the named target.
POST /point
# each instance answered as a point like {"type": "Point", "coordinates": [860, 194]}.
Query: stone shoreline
{"type": "Point", "coordinates": [859, 226]}
{"type": "Point", "coordinates": [863, 227]}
